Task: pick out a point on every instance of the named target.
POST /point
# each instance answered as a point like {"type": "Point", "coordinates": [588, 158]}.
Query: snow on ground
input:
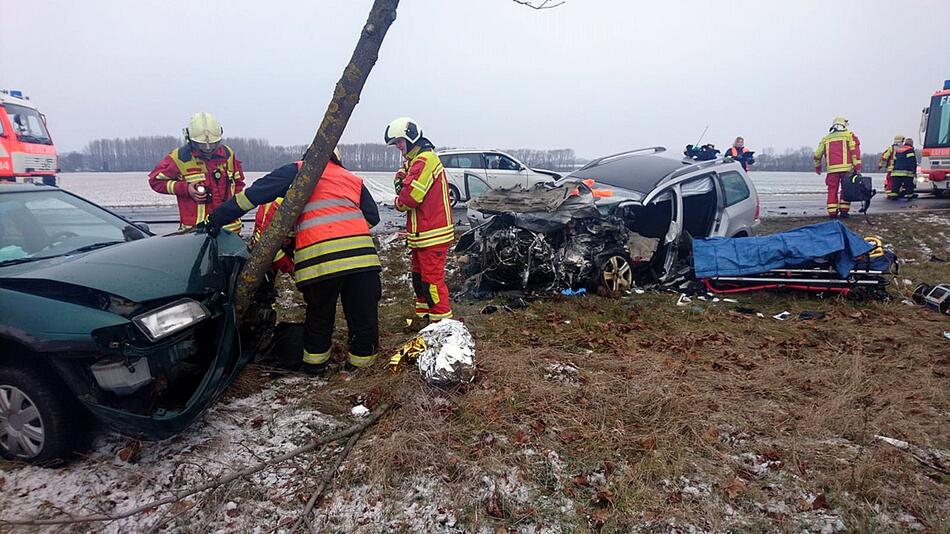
{"type": "Point", "coordinates": [231, 435]}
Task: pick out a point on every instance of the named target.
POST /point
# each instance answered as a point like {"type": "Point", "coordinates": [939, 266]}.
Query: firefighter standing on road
{"type": "Point", "coordinates": [841, 150]}
{"type": "Point", "coordinates": [740, 153]}
{"type": "Point", "coordinates": [203, 174]}
{"type": "Point", "coordinates": [905, 171]}
{"type": "Point", "coordinates": [422, 192]}
{"type": "Point", "coordinates": [887, 163]}
{"type": "Point", "coordinates": [334, 257]}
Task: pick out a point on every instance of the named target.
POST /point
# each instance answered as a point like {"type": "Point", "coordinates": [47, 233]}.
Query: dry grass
{"type": "Point", "coordinates": [698, 416]}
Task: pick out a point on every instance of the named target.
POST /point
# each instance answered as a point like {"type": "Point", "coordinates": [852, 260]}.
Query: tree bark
{"type": "Point", "coordinates": [344, 100]}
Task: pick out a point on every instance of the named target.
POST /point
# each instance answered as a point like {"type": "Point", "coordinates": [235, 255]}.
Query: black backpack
{"type": "Point", "coordinates": [858, 188]}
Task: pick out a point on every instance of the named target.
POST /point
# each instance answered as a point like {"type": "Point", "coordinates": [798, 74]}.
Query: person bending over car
{"type": "Point", "coordinates": [334, 257]}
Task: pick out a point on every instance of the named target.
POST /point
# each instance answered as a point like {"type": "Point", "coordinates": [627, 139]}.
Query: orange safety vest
{"type": "Point", "coordinates": [332, 235]}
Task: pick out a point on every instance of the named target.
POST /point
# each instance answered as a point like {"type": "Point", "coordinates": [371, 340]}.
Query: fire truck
{"type": "Point", "coordinates": [934, 170]}
{"type": "Point", "coordinates": [27, 153]}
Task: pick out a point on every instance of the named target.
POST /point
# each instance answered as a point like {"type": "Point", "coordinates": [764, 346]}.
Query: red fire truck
{"type": "Point", "coordinates": [27, 153]}
{"type": "Point", "coordinates": [934, 171]}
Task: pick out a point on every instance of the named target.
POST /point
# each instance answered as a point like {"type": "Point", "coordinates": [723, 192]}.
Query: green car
{"type": "Point", "coordinates": [100, 321]}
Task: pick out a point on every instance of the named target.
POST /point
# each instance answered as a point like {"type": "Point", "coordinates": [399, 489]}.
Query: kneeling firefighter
{"type": "Point", "coordinates": [334, 257]}
{"type": "Point", "coordinates": [905, 171]}
{"type": "Point", "coordinates": [422, 193]}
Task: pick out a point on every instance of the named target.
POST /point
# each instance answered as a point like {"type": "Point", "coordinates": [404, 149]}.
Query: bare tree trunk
{"type": "Point", "coordinates": [345, 97]}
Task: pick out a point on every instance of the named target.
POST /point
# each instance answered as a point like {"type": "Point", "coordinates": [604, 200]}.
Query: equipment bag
{"type": "Point", "coordinates": [858, 188]}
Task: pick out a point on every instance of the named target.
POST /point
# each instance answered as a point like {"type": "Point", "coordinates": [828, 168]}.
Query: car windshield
{"type": "Point", "coordinates": [938, 123]}
{"type": "Point", "coordinates": [28, 124]}
{"type": "Point", "coordinates": [43, 224]}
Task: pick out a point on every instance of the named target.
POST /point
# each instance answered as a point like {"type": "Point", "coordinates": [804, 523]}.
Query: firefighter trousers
{"type": "Point", "coordinates": [428, 282]}
{"type": "Point", "coordinates": [836, 202]}
{"type": "Point", "coordinates": [901, 186]}
{"type": "Point", "coordinates": [360, 294]}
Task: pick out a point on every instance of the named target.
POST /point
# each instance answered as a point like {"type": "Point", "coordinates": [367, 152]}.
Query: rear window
{"type": "Point", "coordinates": [469, 161]}
{"type": "Point", "coordinates": [449, 162]}
{"type": "Point", "coordinates": [734, 187]}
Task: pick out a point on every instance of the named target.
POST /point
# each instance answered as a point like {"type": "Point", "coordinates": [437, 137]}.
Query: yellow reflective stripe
{"type": "Point", "coordinates": [335, 245]}
{"type": "Point", "coordinates": [435, 316]}
{"type": "Point", "coordinates": [315, 358]}
{"type": "Point", "coordinates": [234, 226]}
{"type": "Point", "coordinates": [362, 361]}
{"type": "Point", "coordinates": [418, 193]}
{"type": "Point", "coordinates": [242, 201]}
{"type": "Point", "coordinates": [336, 266]}
{"type": "Point", "coordinates": [194, 177]}
{"type": "Point", "coordinates": [170, 186]}
{"type": "Point", "coordinates": [434, 293]}
{"type": "Point", "coordinates": [280, 254]}
{"type": "Point", "coordinates": [434, 232]}
{"type": "Point", "coordinates": [200, 215]}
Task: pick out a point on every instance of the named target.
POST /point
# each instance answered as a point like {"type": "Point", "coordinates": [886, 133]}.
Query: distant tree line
{"type": "Point", "coordinates": [142, 153]}
{"type": "Point", "coordinates": [803, 160]}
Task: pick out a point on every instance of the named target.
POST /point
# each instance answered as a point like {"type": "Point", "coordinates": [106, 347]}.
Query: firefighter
{"type": "Point", "coordinates": [887, 163]}
{"type": "Point", "coordinates": [334, 257]}
{"type": "Point", "coordinates": [841, 150]}
{"type": "Point", "coordinates": [202, 174]}
{"type": "Point", "coordinates": [905, 171]}
{"type": "Point", "coordinates": [740, 153]}
{"type": "Point", "coordinates": [422, 193]}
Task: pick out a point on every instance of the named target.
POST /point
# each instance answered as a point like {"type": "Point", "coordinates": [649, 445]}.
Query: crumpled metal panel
{"type": "Point", "coordinates": [449, 358]}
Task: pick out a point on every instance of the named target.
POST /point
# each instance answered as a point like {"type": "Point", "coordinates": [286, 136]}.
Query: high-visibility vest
{"type": "Point", "coordinates": [887, 158]}
{"type": "Point", "coordinates": [332, 235]}
{"type": "Point", "coordinates": [905, 162]}
{"type": "Point", "coordinates": [194, 169]}
{"type": "Point", "coordinates": [429, 224]}
{"type": "Point", "coordinates": [842, 150]}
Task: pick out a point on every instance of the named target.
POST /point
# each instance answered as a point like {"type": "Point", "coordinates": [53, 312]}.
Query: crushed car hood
{"type": "Point", "coordinates": [142, 270]}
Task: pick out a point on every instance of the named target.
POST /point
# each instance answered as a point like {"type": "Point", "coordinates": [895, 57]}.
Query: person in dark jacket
{"type": "Point", "coordinates": [905, 172]}
{"type": "Point", "coordinates": [334, 257]}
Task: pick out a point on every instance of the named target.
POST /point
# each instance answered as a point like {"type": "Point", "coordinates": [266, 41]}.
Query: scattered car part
{"type": "Point", "coordinates": [936, 297]}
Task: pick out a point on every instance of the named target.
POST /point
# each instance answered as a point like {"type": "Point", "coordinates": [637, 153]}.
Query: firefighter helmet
{"type": "Point", "coordinates": [898, 139]}
{"type": "Point", "coordinates": [405, 128]}
{"type": "Point", "coordinates": [204, 128]}
{"type": "Point", "coordinates": [840, 123]}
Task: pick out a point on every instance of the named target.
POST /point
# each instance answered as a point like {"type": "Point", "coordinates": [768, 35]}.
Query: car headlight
{"type": "Point", "coordinates": [171, 318]}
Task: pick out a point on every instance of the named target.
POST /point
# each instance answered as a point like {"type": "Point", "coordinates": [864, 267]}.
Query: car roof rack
{"type": "Point", "coordinates": [693, 166]}
{"type": "Point", "coordinates": [598, 161]}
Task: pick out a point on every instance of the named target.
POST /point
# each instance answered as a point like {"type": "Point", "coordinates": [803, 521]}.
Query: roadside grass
{"type": "Point", "coordinates": [614, 414]}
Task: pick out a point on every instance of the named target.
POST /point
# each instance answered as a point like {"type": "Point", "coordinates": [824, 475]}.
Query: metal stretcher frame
{"type": "Point", "coordinates": [812, 280]}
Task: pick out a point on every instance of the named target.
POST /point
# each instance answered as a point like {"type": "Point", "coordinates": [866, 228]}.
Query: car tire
{"type": "Point", "coordinates": [53, 418]}
{"type": "Point", "coordinates": [614, 274]}
{"type": "Point", "coordinates": [454, 195]}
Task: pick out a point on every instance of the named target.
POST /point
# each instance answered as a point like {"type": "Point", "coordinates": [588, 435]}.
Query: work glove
{"type": "Point", "coordinates": [212, 226]}
{"type": "Point", "coordinates": [397, 185]}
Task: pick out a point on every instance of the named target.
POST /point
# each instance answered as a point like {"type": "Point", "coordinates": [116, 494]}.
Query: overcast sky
{"type": "Point", "coordinates": [599, 76]}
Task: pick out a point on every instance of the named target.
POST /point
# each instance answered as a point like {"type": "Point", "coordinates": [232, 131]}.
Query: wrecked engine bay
{"type": "Point", "coordinates": [545, 239]}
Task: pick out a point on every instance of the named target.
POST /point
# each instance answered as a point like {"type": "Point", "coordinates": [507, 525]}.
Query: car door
{"type": "Point", "coordinates": [667, 252]}
{"type": "Point", "coordinates": [739, 205]}
{"type": "Point", "coordinates": [474, 187]}
{"type": "Point", "coordinates": [504, 172]}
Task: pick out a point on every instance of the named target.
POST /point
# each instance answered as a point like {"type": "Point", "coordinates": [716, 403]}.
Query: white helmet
{"type": "Point", "coordinates": [405, 128]}
{"type": "Point", "coordinates": [840, 123]}
{"type": "Point", "coordinates": [204, 128]}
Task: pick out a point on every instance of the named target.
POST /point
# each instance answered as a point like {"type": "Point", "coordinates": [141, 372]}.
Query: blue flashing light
{"type": "Point", "coordinates": [16, 93]}
{"type": "Point", "coordinates": [946, 85]}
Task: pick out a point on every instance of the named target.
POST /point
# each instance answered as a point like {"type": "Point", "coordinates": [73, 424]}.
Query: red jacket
{"type": "Point", "coordinates": [221, 174]}
{"type": "Point", "coordinates": [424, 196]}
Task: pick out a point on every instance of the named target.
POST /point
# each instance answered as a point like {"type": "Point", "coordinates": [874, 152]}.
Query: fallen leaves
{"type": "Point", "coordinates": [735, 488]}
{"type": "Point", "coordinates": [130, 453]}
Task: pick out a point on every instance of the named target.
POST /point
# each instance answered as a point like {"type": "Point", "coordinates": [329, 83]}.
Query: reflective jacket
{"type": "Point", "coordinates": [887, 158]}
{"type": "Point", "coordinates": [283, 260]}
{"type": "Point", "coordinates": [905, 162]}
{"type": "Point", "coordinates": [332, 233]}
{"type": "Point", "coordinates": [841, 150]}
{"type": "Point", "coordinates": [741, 155]}
{"type": "Point", "coordinates": [424, 196]}
{"type": "Point", "coordinates": [221, 174]}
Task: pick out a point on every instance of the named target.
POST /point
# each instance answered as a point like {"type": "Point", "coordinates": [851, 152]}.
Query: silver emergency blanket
{"type": "Point", "coordinates": [449, 357]}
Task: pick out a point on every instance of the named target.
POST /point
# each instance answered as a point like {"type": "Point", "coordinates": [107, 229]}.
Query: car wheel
{"type": "Point", "coordinates": [37, 421]}
{"type": "Point", "coordinates": [454, 195]}
{"type": "Point", "coordinates": [615, 275]}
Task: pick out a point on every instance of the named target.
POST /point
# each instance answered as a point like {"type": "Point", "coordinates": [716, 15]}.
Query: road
{"type": "Point", "coordinates": [164, 219]}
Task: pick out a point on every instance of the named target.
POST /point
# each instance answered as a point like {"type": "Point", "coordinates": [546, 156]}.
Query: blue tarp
{"type": "Point", "coordinates": [739, 256]}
